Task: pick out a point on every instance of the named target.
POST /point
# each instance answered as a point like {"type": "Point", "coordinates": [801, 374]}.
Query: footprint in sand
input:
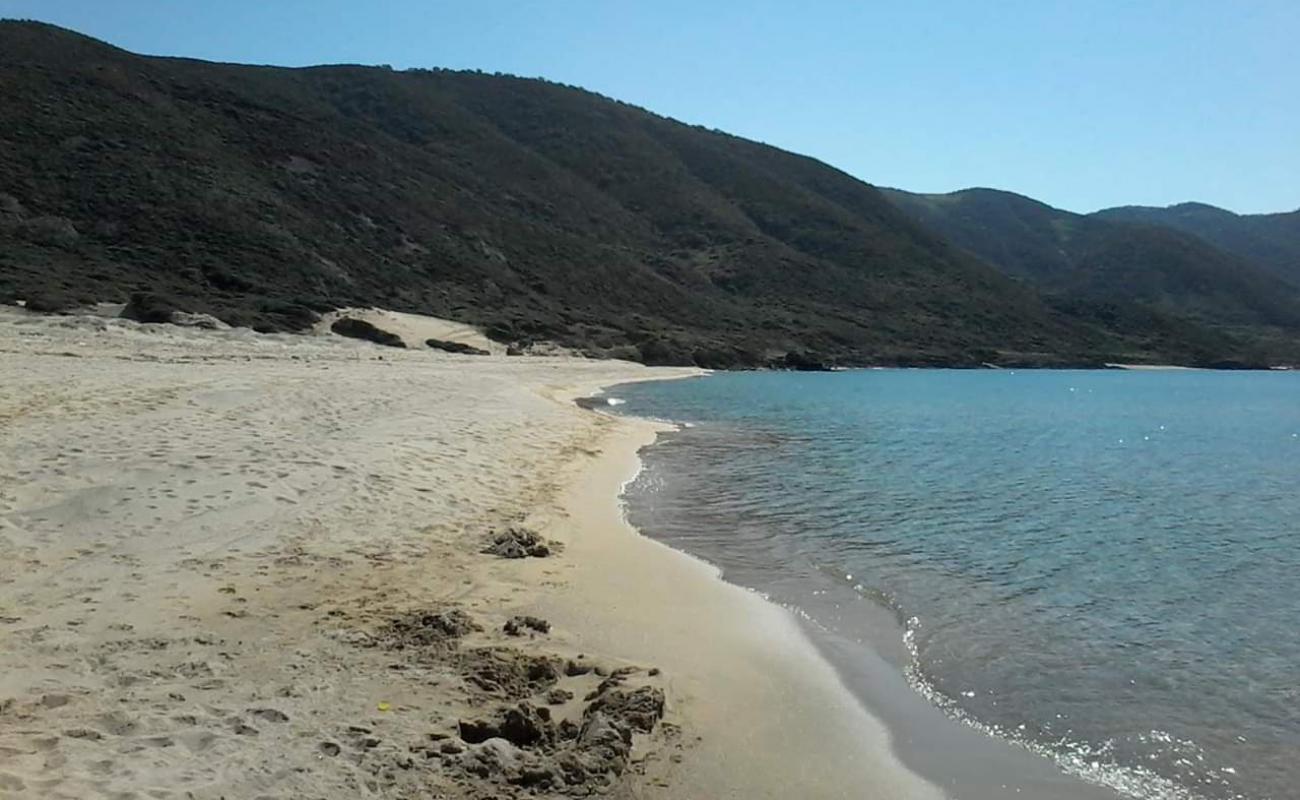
{"type": "Point", "coordinates": [196, 741]}
{"type": "Point", "coordinates": [116, 724]}
{"type": "Point", "coordinates": [11, 783]}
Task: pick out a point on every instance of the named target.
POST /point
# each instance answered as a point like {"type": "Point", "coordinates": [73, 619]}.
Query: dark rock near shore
{"type": "Point", "coordinates": [150, 308]}
{"type": "Point", "coordinates": [1233, 364]}
{"type": "Point", "coordinates": [360, 329]}
{"type": "Point", "coordinates": [158, 309]}
{"type": "Point", "coordinates": [50, 303]}
{"type": "Point", "coordinates": [456, 347]}
{"type": "Point", "coordinates": [725, 358]}
{"type": "Point", "coordinates": [804, 362]}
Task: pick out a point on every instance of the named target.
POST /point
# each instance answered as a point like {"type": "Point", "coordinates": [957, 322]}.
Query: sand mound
{"type": "Point", "coordinates": [414, 329]}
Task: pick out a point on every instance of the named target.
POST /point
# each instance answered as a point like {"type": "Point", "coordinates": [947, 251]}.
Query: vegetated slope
{"type": "Point", "coordinates": [1143, 276]}
{"type": "Point", "coordinates": [537, 210]}
{"type": "Point", "coordinates": [1270, 241]}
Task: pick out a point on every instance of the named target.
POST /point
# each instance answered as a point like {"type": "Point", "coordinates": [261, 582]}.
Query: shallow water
{"type": "Point", "coordinates": [1104, 566]}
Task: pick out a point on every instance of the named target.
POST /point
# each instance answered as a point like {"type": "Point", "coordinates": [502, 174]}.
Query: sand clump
{"type": "Point", "coordinates": [516, 741]}
{"type": "Point", "coordinates": [525, 625]}
{"type": "Point", "coordinates": [516, 542]}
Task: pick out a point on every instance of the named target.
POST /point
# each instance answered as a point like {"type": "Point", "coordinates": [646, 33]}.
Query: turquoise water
{"type": "Point", "coordinates": [1104, 566]}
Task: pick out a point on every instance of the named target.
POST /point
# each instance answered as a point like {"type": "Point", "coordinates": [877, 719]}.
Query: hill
{"type": "Point", "coordinates": [1087, 262]}
{"type": "Point", "coordinates": [1269, 241]}
{"type": "Point", "coordinates": [542, 212]}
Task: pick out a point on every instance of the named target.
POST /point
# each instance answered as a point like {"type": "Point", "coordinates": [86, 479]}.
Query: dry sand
{"type": "Point", "coordinates": [222, 553]}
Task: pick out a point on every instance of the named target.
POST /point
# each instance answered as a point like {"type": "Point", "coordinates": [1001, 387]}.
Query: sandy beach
{"type": "Point", "coordinates": [240, 565]}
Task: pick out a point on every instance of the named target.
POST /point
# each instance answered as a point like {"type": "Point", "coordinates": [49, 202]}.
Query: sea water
{"type": "Point", "coordinates": [1103, 567]}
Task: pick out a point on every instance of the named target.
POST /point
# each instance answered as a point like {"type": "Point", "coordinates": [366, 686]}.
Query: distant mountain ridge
{"type": "Point", "coordinates": [263, 195]}
{"type": "Point", "coordinates": [1100, 259]}
{"type": "Point", "coordinates": [1270, 241]}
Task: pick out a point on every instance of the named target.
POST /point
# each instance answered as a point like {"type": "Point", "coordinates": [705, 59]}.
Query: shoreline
{"type": "Point", "coordinates": [956, 757]}
{"type": "Point", "coordinates": [221, 539]}
{"type": "Point", "coordinates": [773, 716]}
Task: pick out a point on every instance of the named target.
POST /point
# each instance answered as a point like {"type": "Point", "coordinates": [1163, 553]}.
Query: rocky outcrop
{"type": "Point", "coordinates": [49, 303]}
{"type": "Point", "coordinates": [150, 308]}
{"type": "Point", "coordinates": [360, 329]}
{"type": "Point", "coordinates": [459, 348]}
{"type": "Point", "coordinates": [207, 322]}
{"type": "Point", "coordinates": [158, 309]}
{"type": "Point", "coordinates": [803, 362]}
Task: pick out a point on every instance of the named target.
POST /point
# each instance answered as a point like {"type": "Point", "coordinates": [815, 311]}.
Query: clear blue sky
{"type": "Point", "coordinates": [1083, 104]}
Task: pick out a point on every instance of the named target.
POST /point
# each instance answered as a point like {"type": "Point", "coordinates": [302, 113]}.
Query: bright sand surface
{"type": "Point", "coordinates": [203, 531]}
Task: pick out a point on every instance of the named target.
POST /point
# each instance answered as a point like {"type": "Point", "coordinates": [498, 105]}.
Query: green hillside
{"type": "Point", "coordinates": [1269, 241]}
{"type": "Point", "coordinates": [540, 211]}
{"type": "Point", "coordinates": [1149, 272]}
